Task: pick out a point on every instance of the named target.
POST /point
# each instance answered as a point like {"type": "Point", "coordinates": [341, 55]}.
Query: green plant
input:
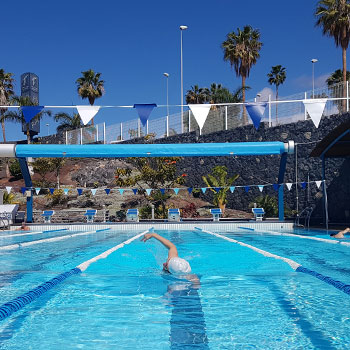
{"type": "Point", "coordinates": [8, 198]}
{"type": "Point", "coordinates": [58, 197]}
{"type": "Point", "coordinates": [15, 169]}
{"type": "Point", "coordinates": [218, 178]}
{"type": "Point", "coordinates": [269, 204]}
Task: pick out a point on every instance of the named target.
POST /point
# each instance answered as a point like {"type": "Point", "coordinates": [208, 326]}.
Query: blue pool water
{"type": "Point", "coordinates": [125, 301]}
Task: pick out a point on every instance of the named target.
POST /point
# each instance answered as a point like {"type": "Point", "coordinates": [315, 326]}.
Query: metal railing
{"type": "Point", "coordinates": [288, 110]}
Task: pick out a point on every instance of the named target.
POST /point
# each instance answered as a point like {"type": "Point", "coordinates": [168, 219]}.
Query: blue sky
{"type": "Point", "coordinates": [132, 43]}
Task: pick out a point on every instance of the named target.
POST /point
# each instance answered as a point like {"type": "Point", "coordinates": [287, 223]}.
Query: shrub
{"type": "Point", "coordinates": [15, 169]}
{"type": "Point", "coordinates": [190, 211]}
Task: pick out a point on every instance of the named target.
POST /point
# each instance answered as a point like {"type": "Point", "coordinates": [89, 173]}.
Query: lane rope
{"type": "Point", "coordinates": [32, 233]}
{"type": "Point", "coordinates": [18, 303]}
{"type": "Point", "coordinates": [293, 264]}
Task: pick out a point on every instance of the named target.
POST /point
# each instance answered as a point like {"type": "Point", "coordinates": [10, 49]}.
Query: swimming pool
{"type": "Point", "coordinates": [244, 301]}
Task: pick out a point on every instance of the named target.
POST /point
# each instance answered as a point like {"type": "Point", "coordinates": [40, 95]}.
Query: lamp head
{"type": "Point", "coordinates": [314, 60]}
{"type": "Point", "coordinates": [183, 27]}
{"type": "Point", "coordinates": [166, 75]}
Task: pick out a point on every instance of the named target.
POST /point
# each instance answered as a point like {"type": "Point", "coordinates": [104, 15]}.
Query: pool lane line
{"type": "Point", "coordinates": [331, 241]}
{"type": "Point", "coordinates": [293, 264]}
{"type": "Point", "coordinates": [32, 233]}
{"type": "Point", "coordinates": [51, 239]}
{"type": "Point", "coordinates": [18, 303]}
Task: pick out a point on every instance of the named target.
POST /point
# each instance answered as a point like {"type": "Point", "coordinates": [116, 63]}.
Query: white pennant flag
{"type": "Point", "coordinates": [93, 191]}
{"type": "Point", "coordinates": [37, 190]}
{"type": "Point", "coordinates": [148, 191]}
{"type": "Point", "coordinates": [318, 183]}
{"type": "Point", "coordinates": [8, 189]}
{"type": "Point", "coordinates": [200, 113]}
{"type": "Point", "coordinates": [87, 112]}
{"type": "Point", "coordinates": [261, 187]}
{"type": "Point", "coordinates": [315, 108]}
{"type": "Point", "coordinates": [289, 185]}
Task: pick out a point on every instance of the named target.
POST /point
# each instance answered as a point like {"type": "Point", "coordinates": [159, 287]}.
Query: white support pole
{"type": "Point", "coordinates": [270, 121]}
{"type": "Point", "coordinates": [104, 133]}
{"type": "Point", "coordinates": [121, 131]}
{"type": "Point", "coordinates": [81, 136]}
{"type": "Point", "coordinates": [347, 96]}
{"type": "Point", "coordinates": [167, 125]}
{"type": "Point", "coordinates": [96, 132]}
{"type": "Point", "coordinates": [225, 117]}
{"type": "Point", "coordinates": [138, 128]}
{"type": "Point", "coordinates": [305, 113]}
{"type": "Point", "coordinates": [189, 120]}
{"type": "Point", "coordinates": [147, 127]}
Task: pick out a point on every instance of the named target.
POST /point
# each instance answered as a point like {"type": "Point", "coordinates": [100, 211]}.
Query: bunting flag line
{"type": "Point", "coordinates": [29, 112]}
{"type": "Point", "coordinates": [176, 190]}
{"type": "Point", "coordinates": [162, 191]}
{"type": "Point", "coordinates": [80, 191]}
{"type": "Point", "coordinates": [261, 188]}
{"type": "Point", "coordinates": [107, 190]}
{"type": "Point", "coordinates": [66, 190]}
{"type": "Point", "coordinates": [204, 189]}
{"type": "Point", "coordinates": [37, 190]}
{"type": "Point", "coordinates": [93, 191]}
{"type": "Point", "coordinates": [303, 185]}
{"type": "Point", "coordinates": [87, 112]}
{"type": "Point", "coordinates": [148, 191]}
{"type": "Point", "coordinates": [200, 113]}
{"type": "Point", "coordinates": [217, 189]}
{"type": "Point", "coordinates": [134, 190]}
{"type": "Point", "coordinates": [256, 112]}
{"type": "Point", "coordinates": [318, 183]}
{"type": "Point", "coordinates": [144, 110]}
{"type": "Point", "coordinates": [8, 189]}
{"type": "Point", "coordinates": [289, 185]}
{"type": "Point", "coordinates": [275, 187]}
{"type": "Point", "coordinates": [247, 188]}
{"type": "Point", "coordinates": [52, 190]}
{"type": "Point", "coordinates": [232, 188]}
{"type": "Point", "coordinates": [23, 190]}
{"type": "Point", "coordinates": [189, 189]}
{"type": "Point", "coordinates": [315, 108]}
{"type": "Point", "coordinates": [121, 191]}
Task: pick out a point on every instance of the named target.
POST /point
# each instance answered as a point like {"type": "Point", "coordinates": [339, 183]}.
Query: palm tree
{"type": "Point", "coordinates": [337, 77]}
{"type": "Point", "coordinates": [241, 49]}
{"type": "Point", "coordinates": [18, 116]}
{"type": "Point", "coordinates": [6, 92]}
{"type": "Point", "coordinates": [334, 18]}
{"type": "Point", "coordinates": [197, 95]}
{"type": "Point", "coordinates": [277, 76]}
{"type": "Point", "coordinates": [68, 122]}
{"type": "Point", "coordinates": [90, 86]}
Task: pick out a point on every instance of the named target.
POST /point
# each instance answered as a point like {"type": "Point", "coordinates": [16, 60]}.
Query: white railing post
{"type": "Point", "coordinates": [104, 133]}
{"type": "Point", "coordinates": [96, 132]}
{"type": "Point", "coordinates": [147, 127]}
{"type": "Point", "coordinates": [182, 124]}
{"type": "Point", "coordinates": [347, 96]}
{"type": "Point", "coordinates": [270, 121]}
{"type": "Point", "coordinates": [121, 131]}
{"type": "Point", "coordinates": [225, 117]}
{"type": "Point", "coordinates": [189, 120]}
{"type": "Point", "coordinates": [167, 125]}
{"type": "Point", "coordinates": [305, 113]}
{"type": "Point", "coordinates": [81, 136]}
{"type": "Point", "coordinates": [66, 137]}
{"type": "Point", "coordinates": [138, 128]}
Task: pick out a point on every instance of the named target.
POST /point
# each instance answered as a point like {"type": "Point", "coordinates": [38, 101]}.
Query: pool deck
{"type": "Point", "coordinates": [142, 226]}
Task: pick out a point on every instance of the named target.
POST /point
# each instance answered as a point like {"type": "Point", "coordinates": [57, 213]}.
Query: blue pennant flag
{"type": "Point", "coordinates": [134, 190]}
{"type": "Point", "coordinates": [37, 190]}
{"type": "Point", "coordinates": [107, 190]}
{"type": "Point", "coordinates": [52, 190]}
{"type": "Point", "coordinates": [303, 185]}
{"type": "Point", "coordinates": [275, 187]}
{"type": "Point", "coordinates": [144, 110]}
{"type": "Point", "coordinates": [247, 188]}
{"type": "Point", "coordinates": [80, 191]}
{"type": "Point", "coordinates": [232, 189]}
{"type": "Point", "coordinates": [162, 190]}
{"type": "Point", "coordinates": [121, 191]}
{"type": "Point", "coordinates": [66, 190]}
{"type": "Point", "coordinates": [204, 189]}
{"type": "Point", "coordinates": [256, 112]}
{"type": "Point", "coordinates": [23, 190]}
{"type": "Point", "coordinates": [217, 189]}
{"type": "Point", "coordinates": [190, 190]}
{"type": "Point", "coordinates": [93, 191]}
{"type": "Point", "coordinates": [176, 190]}
{"type": "Point", "coordinates": [148, 191]}
{"type": "Point", "coordinates": [29, 112]}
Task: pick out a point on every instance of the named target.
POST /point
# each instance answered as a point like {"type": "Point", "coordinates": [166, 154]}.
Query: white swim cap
{"type": "Point", "coordinates": [178, 265]}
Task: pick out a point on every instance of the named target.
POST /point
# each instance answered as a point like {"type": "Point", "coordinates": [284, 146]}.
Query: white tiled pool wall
{"type": "Point", "coordinates": [142, 226]}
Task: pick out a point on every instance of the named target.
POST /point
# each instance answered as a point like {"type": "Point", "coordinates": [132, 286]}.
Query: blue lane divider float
{"type": "Point", "coordinates": [18, 303]}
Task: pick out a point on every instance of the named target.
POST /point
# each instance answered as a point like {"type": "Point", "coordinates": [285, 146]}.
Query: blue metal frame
{"type": "Point", "coordinates": [29, 185]}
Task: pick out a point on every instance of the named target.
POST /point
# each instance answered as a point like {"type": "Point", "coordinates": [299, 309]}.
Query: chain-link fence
{"type": "Point", "coordinates": [289, 109]}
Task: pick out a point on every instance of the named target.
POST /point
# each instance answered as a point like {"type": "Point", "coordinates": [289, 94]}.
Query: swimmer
{"type": "Point", "coordinates": [23, 227]}
{"type": "Point", "coordinates": [174, 264]}
{"type": "Point", "coordinates": [340, 234]}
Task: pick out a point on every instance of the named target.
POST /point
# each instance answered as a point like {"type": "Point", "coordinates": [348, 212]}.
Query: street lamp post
{"type": "Point", "coordinates": [313, 61]}
{"type": "Point", "coordinates": [182, 28]}
{"type": "Point", "coordinates": [167, 103]}
{"type": "Point", "coordinates": [48, 129]}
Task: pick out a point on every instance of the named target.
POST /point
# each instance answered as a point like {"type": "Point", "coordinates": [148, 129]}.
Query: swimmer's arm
{"type": "Point", "coordinates": [172, 248]}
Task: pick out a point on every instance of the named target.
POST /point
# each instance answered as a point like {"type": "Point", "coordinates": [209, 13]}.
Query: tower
{"type": "Point", "coordinates": [30, 88]}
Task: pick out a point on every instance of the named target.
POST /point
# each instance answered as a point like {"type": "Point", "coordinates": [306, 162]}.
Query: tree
{"type": "Point", "coordinates": [6, 92]}
{"type": "Point", "coordinates": [18, 116]}
{"type": "Point", "coordinates": [68, 122]}
{"type": "Point", "coordinates": [42, 166]}
{"type": "Point", "coordinates": [334, 18]}
{"type": "Point", "coordinates": [241, 49]}
{"type": "Point", "coordinates": [218, 178]}
{"type": "Point", "coordinates": [277, 76]}
{"type": "Point", "coordinates": [269, 204]}
{"type": "Point", "coordinates": [197, 95]}
{"type": "Point", "coordinates": [90, 86]}
{"type": "Point", "coordinates": [15, 169]}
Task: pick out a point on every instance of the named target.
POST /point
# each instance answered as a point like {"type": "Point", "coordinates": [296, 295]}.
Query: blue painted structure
{"type": "Point", "coordinates": [156, 150]}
